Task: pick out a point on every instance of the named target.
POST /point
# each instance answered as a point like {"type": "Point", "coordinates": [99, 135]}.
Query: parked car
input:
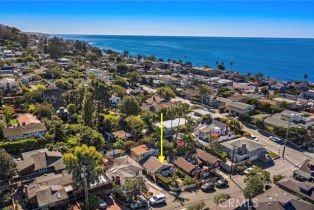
{"type": "Point", "coordinates": [248, 170]}
{"type": "Point", "coordinates": [102, 204]}
{"type": "Point", "coordinates": [221, 183]}
{"type": "Point", "coordinates": [251, 137]}
{"type": "Point", "coordinates": [275, 139]}
{"type": "Point", "coordinates": [139, 203]}
{"type": "Point", "coordinates": [156, 199]}
{"type": "Point", "coordinates": [208, 186]}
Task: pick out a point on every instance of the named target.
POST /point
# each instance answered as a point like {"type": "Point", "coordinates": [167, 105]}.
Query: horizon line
{"type": "Point", "coordinates": [158, 35]}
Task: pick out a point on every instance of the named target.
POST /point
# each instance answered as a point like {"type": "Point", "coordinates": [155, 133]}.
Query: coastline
{"type": "Point", "coordinates": [249, 55]}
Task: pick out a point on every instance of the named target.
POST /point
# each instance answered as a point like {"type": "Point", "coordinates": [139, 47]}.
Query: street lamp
{"type": "Point", "coordinates": [287, 134]}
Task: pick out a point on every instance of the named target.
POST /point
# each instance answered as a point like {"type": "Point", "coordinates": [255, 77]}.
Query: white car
{"type": "Point", "coordinates": [253, 138]}
{"type": "Point", "coordinates": [102, 204]}
{"type": "Point", "coordinates": [156, 199]}
{"type": "Point", "coordinates": [248, 170]}
{"type": "Point", "coordinates": [275, 139]}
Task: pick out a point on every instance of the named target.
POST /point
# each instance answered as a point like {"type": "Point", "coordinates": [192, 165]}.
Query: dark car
{"type": "Point", "coordinates": [208, 186]}
{"type": "Point", "coordinates": [221, 183]}
{"type": "Point", "coordinates": [139, 203]}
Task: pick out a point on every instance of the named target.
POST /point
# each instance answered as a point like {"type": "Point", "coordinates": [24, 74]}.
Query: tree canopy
{"type": "Point", "coordinates": [130, 105]}
{"type": "Point", "coordinates": [84, 160]}
{"type": "Point", "coordinates": [7, 166]}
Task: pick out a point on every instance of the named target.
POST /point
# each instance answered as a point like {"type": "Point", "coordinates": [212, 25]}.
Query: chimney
{"type": "Point", "coordinates": [243, 148]}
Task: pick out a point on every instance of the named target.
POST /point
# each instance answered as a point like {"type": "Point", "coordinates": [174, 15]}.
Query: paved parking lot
{"type": "Point", "coordinates": [183, 199]}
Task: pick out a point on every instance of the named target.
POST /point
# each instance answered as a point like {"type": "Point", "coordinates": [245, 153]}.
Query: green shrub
{"type": "Point", "coordinates": [277, 178]}
{"type": "Point", "coordinates": [21, 145]}
{"type": "Point", "coordinates": [273, 155]}
{"type": "Point", "coordinates": [220, 198]}
{"type": "Point", "coordinates": [188, 180]}
{"type": "Point", "coordinates": [180, 173]}
{"type": "Point", "coordinates": [241, 168]}
{"type": "Point", "coordinates": [217, 153]}
{"type": "Point", "coordinates": [163, 179]}
{"type": "Point", "coordinates": [119, 194]}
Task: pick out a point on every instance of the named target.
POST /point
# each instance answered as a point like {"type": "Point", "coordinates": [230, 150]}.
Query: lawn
{"type": "Point", "coordinates": [273, 155]}
{"type": "Point", "coordinates": [14, 122]}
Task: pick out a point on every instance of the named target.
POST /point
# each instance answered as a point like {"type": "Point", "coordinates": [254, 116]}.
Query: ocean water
{"type": "Point", "coordinates": [280, 58]}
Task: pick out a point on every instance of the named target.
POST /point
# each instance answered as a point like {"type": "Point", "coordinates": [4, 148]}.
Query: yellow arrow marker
{"type": "Point", "coordinates": [161, 156]}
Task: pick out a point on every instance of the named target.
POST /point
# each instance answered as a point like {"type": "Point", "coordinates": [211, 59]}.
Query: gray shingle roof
{"type": "Point", "coordinates": [22, 130]}
{"type": "Point", "coordinates": [250, 145]}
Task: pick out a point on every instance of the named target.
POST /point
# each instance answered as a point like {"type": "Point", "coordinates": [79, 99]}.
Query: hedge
{"type": "Point", "coordinates": [163, 179]}
{"type": "Point", "coordinates": [21, 145]}
{"type": "Point", "coordinates": [217, 153]}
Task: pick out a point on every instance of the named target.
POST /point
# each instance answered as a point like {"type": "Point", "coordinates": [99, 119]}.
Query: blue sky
{"type": "Point", "coordinates": [259, 18]}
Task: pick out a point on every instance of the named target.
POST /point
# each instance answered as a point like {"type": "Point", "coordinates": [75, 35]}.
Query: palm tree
{"type": "Point", "coordinates": [235, 124]}
{"type": "Point", "coordinates": [203, 90]}
{"type": "Point", "coordinates": [305, 77]}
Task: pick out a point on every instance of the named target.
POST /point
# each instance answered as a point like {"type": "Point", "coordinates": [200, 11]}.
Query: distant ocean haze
{"type": "Point", "coordinates": [279, 58]}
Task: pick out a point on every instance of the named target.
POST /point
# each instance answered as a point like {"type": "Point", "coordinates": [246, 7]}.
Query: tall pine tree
{"type": "Point", "coordinates": [88, 109]}
{"type": "Point", "coordinates": [101, 95]}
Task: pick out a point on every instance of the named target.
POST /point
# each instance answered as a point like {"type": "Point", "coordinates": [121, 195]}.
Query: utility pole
{"type": "Point", "coordinates": [287, 134]}
{"type": "Point", "coordinates": [232, 159]}
{"type": "Point", "coordinates": [85, 187]}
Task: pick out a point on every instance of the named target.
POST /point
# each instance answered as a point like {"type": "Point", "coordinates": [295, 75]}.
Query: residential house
{"type": "Point", "coordinates": [56, 190]}
{"type": "Point", "coordinates": [238, 108]}
{"type": "Point", "coordinates": [115, 100]}
{"type": "Point", "coordinates": [204, 132]}
{"type": "Point", "coordinates": [304, 190]}
{"type": "Point", "coordinates": [8, 84]}
{"type": "Point", "coordinates": [22, 132]}
{"type": "Point", "coordinates": [170, 125]}
{"type": "Point", "coordinates": [277, 199]}
{"type": "Point", "coordinates": [54, 97]}
{"type": "Point", "coordinates": [284, 119]}
{"type": "Point", "coordinates": [50, 190]}
{"type": "Point", "coordinates": [123, 168]}
{"type": "Point", "coordinates": [27, 119]}
{"type": "Point", "coordinates": [137, 91]}
{"type": "Point", "coordinates": [153, 166]}
{"type": "Point", "coordinates": [224, 128]}
{"type": "Point", "coordinates": [204, 159]}
{"type": "Point", "coordinates": [39, 161]}
{"type": "Point", "coordinates": [281, 101]}
{"type": "Point", "coordinates": [153, 100]}
{"type": "Point", "coordinates": [121, 134]}
{"type": "Point", "coordinates": [291, 116]}
{"type": "Point", "coordinates": [198, 113]}
{"type": "Point", "coordinates": [306, 171]}
{"type": "Point", "coordinates": [309, 94]}
{"type": "Point", "coordinates": [244, 87]}
{"type": "Point", "coordinates": [276, 120]}
{"type": "Point", "coordinates": [218, 82]}
{"type": "Point", "coordinates": [142, 152]}
{"type": "Point", "coordinates": [164, 105]}
{"type": "Point", "coordinates": [222, 103]}
{"type": "Point", "coordinates": [190, 93]}
{"type": "Point", "coordinates": [64, 61]}
{"type": "Point", "coordinates": [185, 166]}
{"type": "Point", "coordinates": [205, 71]}
{"type": "Point", "coordinates": [242, 150]}
{"type": "Point", "coordinates": [7, 70]}
{"type": "Point", "coordinates": [267, 101]}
